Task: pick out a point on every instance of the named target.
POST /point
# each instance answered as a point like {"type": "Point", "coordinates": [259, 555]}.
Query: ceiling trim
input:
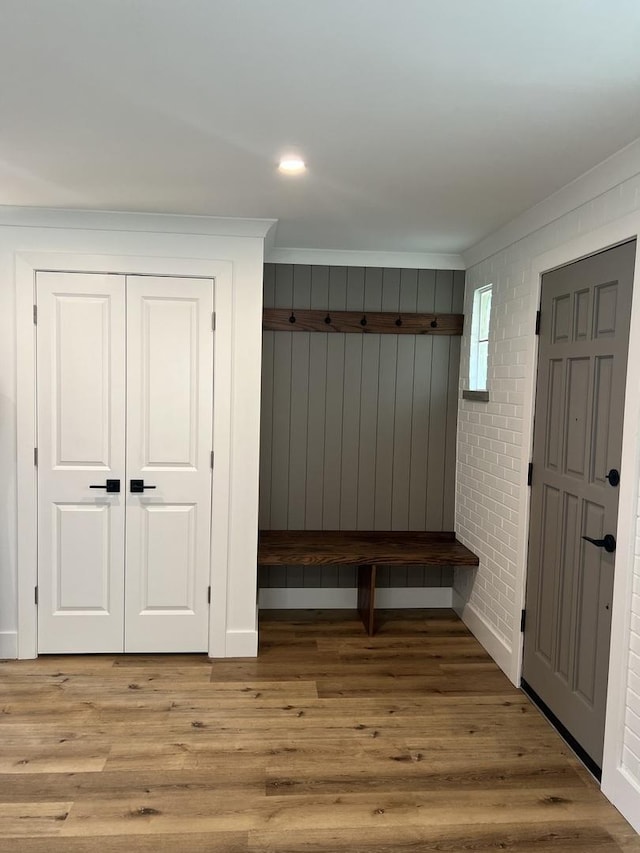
{"type": "Point", "coordinates": [112, 220]}
{"type": "Point", "coordinates": [621, 166]}
{"type": "Point", "coordinates": [347, 258]}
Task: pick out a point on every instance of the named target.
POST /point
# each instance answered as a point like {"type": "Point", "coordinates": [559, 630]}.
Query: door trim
{"type": "Point", "coordinates": [616, 784]}
{"type": "Point", "coordinates": [27, 263]}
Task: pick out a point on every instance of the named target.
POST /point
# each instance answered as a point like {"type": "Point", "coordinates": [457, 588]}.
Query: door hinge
{"type": "Point", "coordinates": [35, 315]}
{"type": "Point", "coordinates": [35, 456]}
{"type": "Point", "coordinates": [208, 595]}
{"type": "Point", "coordinates": [530, 474]}
{"type": "Point", "coordinates": [212, 460]}
{"type": "Point", "coordinates": [537, 322]}
{"type": "Point", "coordinates": [213, 321]}
{"type": "Point", "coordinates": [35, 595]}
{"type": "Point", "coordinates": [523, 621]}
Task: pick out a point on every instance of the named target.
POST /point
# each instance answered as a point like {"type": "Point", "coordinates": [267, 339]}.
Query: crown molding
{"type": "Point", "coordinates": [112, 220]}
{"type": "Point", "coordinates": [616, 169]}
{"type": "Point", "coordinates": [347, 258]}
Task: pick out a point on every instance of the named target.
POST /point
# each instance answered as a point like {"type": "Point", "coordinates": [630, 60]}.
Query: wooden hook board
{"type": "Point", "coordinates": [367, 322]}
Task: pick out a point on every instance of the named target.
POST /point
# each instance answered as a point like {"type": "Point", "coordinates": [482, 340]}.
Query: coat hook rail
{"type": "Point", "coordinates": [369, 323]}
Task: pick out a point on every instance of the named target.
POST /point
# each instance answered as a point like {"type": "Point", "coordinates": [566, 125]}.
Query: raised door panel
{"type": "Point", "coordinates": [169, 383]}
{"type": "Point", "coordinates": [577, 416]}
{"type": "Point", "coordinates": [168, 541]}
{"type": "Point", "coordinates": [81, 384]}
{"type": "Point", "coordinates": [547, 584]}
{"type": "Point", "coordinates": [81, 427]}
{"type": "Point", "coordinates": [81, 537]}
{"type": "Point", "coordinates": [169, 441]}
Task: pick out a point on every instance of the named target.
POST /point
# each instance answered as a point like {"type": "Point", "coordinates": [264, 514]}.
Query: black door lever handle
{"type": "Point", "coordinates": [608, 542]}
{"type": "Point", "coordinates": [111, 486]}
{"type": "Point", "coordinates": [138, 486]}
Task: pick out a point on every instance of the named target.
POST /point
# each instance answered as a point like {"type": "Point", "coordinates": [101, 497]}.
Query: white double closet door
{"type": "Point", "coordinates": [125, 393]}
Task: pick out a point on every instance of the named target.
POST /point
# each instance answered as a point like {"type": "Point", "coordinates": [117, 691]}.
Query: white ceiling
{"type": "Point", "coordinates": [426, 124]}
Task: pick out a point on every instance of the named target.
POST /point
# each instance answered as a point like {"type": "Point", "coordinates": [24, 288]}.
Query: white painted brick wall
{"type": "Point", "coordinates": [631, 749]}
{"type": "Point", "coordinates": [491, 473]}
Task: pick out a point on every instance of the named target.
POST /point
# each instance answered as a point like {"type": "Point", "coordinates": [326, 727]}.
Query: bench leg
{"type": "Point", "coordinates": [367, 597]}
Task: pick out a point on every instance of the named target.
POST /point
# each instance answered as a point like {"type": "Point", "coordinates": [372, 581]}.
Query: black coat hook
{"type": "Point", "coordinates": [292, 318]}
{"type": "Point", "coordinates": [434, 324]}
{"type": "Point", "coordinates": [327, 319]}
{"type": "Point", "coordinates": [363, 322]}
{"type": "Point", "coordinates": [399, 321]}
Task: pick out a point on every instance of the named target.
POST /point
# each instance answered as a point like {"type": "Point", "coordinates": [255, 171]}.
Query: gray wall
{"type": "Point", "coordinates": [358, 431]}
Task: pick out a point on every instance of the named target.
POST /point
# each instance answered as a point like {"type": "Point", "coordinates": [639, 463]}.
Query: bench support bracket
{"type": "Point", "coordinates": [367, 597]}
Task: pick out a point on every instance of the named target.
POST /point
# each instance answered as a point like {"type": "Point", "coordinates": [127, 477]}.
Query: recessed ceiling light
{"type": "Point", "coordinates": [292, 166]}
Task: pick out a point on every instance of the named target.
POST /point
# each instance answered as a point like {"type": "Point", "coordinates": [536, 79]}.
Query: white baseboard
{"type": "Point", "coordinates": [241, 644]}
{"type": "Point", "coordinates": [335, 598]}
{"type": "Point", "coordinates": [8, 645]}
{"type": "Point", "coordinates": [487, 637]}
{"type": "Point", "coordinates": [624, 792]}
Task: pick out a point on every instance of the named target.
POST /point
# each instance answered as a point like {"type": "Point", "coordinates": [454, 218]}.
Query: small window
{"type": "Point", "coordinates": [479, 354]}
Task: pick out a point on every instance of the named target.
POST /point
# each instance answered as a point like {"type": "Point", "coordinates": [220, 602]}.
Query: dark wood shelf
{"type": "Point", "coordinates": [376, 322]}
{"type": "Point", "coordinates": [361, 548]}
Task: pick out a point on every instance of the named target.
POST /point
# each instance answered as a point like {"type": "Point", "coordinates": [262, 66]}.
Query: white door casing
{"type": "Point", "coordinates": [147, 245]}
{"type": "Point", "coordinates": [617, 784]}
{"type": "Point", "coordinates": [169, 442]}
{"type": "Point", "coordinates": [99, 592]}
{"type": "Point", "coordinates": [81, 442]}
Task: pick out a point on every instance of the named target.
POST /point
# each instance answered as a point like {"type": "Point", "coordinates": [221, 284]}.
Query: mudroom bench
{"type": "Point", "coordinates": [365, 549]}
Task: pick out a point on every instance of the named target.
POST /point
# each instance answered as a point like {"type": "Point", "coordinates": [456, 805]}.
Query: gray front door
{"type": "Point", "coordinates": [582, 364]}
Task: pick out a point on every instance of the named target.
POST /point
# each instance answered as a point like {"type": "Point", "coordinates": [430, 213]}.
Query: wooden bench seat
{"type": "Point", "coordinates": [365, 549]}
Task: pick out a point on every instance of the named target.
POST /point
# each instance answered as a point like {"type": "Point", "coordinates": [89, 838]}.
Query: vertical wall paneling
{"type": "Point", "coordinates": [351, 413]}
{"type": "Point", "coordinates": [358, 431]}
{"type": "Point", "coordinates": [449, 496]}
{"type": "Point", "coordinates": [405, 361]}
{"type": "Point", "coordinates": [437, 421]}
{"type": "Point", "coordinates": [299, 410]}
{"type": "Point", "coordinates": [421, 407]}
{"type": "Point", "coordinates": [333, 405]}
{"type": "Point", "coordinates": [369, 406]}
{"type": "Point", "coordinates": [298, 418]}
{"type": "Point", "coordinates": [351, 406]}
{"type": "Point", "coordinates": [314, 484]}
{"type": "Point", "coordinates": [281, 408]}
{"type": "Point", "coordinates": [334, 399]}
{"type": "Point", "coordinates": [387, 374]}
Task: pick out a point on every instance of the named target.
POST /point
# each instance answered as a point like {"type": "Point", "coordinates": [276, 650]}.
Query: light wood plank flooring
{"type": "Point", "coordinates": [408, 741]}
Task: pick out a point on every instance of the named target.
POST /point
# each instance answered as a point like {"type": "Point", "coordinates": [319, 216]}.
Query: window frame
{"type": "Point", "coordinates": [479, 344]}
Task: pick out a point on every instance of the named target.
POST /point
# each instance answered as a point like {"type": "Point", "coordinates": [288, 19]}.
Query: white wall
{"type": "Point", "coordinates": [195, 245]}
{"type": "Point", "coordinates": [494, 444]}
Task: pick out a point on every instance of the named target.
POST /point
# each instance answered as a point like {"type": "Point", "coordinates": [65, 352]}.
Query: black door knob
{"type": "Point", "coordinates": [138, 486]}
{"type": "Point", "coordinates": [608, 542]}
{"type": "Point", "coordinates": [110, 486]}
{"type": "Point", "coordinates": [613, 477]}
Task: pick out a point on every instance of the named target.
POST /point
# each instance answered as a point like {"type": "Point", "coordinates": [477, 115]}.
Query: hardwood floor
{"type": "Point", "coordinates": [408, 741]}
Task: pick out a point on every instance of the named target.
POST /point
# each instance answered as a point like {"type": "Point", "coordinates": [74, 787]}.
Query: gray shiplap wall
{"type": "Point", "coordinates": [358, 431]}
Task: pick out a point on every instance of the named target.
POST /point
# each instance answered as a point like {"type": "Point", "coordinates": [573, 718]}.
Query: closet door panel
{"type": "Point", "coordinates": [81, 444]}
{"type": "Point", "coordinates": [169, 441]}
